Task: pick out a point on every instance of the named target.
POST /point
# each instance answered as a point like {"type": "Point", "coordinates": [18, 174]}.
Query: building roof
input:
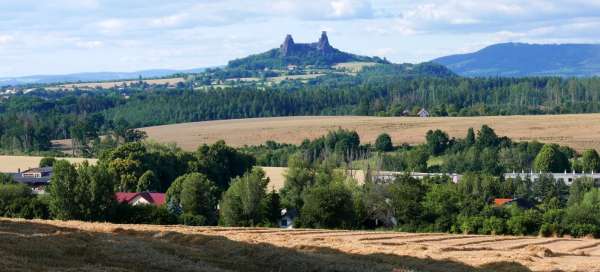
{"type": "Point", "coordinates": [47, 169]}
{"type": "Point", "coordinates": [44, 179]}
{"type": "Point", "coordinates": [154, 198]}
{"type": "Point", "coordinates": [18, 177]}
{"type": "Point", "coordinates": [502, 201]}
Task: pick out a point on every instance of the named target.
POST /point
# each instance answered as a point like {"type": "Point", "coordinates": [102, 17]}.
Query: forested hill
{"type": "Point", "coordinates": [519, 60]}
{"type": "Point", "coordinates": [319, 54]}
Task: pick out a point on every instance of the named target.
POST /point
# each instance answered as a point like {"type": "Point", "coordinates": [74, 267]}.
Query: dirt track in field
{"type": "Point", "coordinates": [264, 249]}
{"type": "Point", "coordinates": [580, 131]}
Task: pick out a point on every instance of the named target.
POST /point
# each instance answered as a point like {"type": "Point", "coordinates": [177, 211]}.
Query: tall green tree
{"type": "Point", "coordinates": [299, 176]}
{"type": "Point", "coordinates": [83, 193]}
{"type": "Point", "coordinates": [220, 163]}
{"type": "Point", "coordinates": [437, 141]}
{"type": "Point", "coordinates": [383, 143]}
{"type": "Point", "coordinates": [196, 195]}
{"type": "Point", "coordinates": [245, 202]}
{"type": "Point", "coordinates": [591, 161]}
{"type": "Point", "coordinates": [148, 182]}
{"type": "Point", "coordinates": [550, 159]}
{"type": "Point", "coordinates": [328, 206]}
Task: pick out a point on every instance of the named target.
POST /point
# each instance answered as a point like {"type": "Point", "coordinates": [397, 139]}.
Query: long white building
{"type": "Point", "coordinates": [567, 177]}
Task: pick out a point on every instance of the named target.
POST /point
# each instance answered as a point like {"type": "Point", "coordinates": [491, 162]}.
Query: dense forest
{"type": "Point", "coordinates": [29, 121]}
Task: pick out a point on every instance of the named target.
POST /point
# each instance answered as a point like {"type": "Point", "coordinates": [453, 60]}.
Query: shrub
{"type": "Point", "coordinates": [192, 219]}
{"type": "Point", "coordinates": [581, 230]}
{"type": "Point", "coordinates": [494, 225]}
{"type": "Point", "coordinates": [471, 224]}
{"type": "Point", "coordinates": [383, 143]}
{"type": "Point", "coordinates": [47, 161]}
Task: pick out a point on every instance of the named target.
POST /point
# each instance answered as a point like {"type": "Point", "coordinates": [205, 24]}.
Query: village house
{"type": "Point", "coordinates": [519, 202]}
{"type": "Point", "coordinates": [423, 113]}
{"type": "Point", "coordinates": [36, 178]}
{"type": "Point", "coordinates": [144, 198]}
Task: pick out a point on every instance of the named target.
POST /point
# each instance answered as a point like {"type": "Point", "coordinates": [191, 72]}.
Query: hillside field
{"type": "Point", "coordinates": [38, 245]}
{"type": "Point", "coordinates": [580, 131]}
{"type": "Point", "coordinates": [10, 164]}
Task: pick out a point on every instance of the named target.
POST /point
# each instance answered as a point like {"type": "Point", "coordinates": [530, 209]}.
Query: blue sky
{"type": "Point", "coordinates": [68, 36]}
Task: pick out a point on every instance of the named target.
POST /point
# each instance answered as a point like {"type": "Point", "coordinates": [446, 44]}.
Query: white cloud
{"type": "Point", "coordinates": [89, 44]}
{"type": "Point", "coordinates": [170, 21]}
{"type": "Point", "coordinates": [6, 39]}
{"type": "Point", "coordinates": [111, 25]}
{"type": "Point", "coordinates": [322, 9]}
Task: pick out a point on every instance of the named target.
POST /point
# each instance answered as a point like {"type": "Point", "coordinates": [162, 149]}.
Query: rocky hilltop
{"type": "Point", "coordinates": [319, 53]}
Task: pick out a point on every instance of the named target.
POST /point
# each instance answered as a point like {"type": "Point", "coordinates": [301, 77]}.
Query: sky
{"type": "Point", "coordinates": [71, 36]}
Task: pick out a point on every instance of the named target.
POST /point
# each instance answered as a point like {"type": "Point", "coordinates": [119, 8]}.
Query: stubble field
{"type": "Point", "coordinates": [580, 131]}
{"type": "Point", "coordinates": [10, 164]}
{"type": "Point", "coordinates": [37, 245]}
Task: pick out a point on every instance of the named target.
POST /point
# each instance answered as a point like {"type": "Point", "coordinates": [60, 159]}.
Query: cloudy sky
{"type": "Point", "coordinates": [67, 36]}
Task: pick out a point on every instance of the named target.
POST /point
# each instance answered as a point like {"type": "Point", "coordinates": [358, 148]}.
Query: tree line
{"type": "Point", "coordinates": [218, 184]}
{"type": "Point", "coordinates": [29, 121]}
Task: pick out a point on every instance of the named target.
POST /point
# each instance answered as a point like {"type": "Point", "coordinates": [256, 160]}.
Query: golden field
{"type": "Point", "coordinates": [39, 245]}
{"type": "Point", "coordinates": [111, 84]}
{"type": "Point", "coordinates": [580, 131]}
{"type": "Point", "coordinates": [9, 164]}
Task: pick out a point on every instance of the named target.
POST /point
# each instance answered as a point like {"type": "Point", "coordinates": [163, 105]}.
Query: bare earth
{"type": "Point", "coordinates": [580, 131]}
{"type": "Point", "coordinates": [9, 164]}
{"type": "Point", "coordinates": [38, 245]}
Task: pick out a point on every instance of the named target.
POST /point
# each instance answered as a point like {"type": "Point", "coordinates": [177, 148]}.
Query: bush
{"type": "Point", "coordinates": [581, 230]}
{"type": "Point", "coordinates": [471, 224]}
{"type": "Point", "coordinates": [328, 206]}
{"type": "Point", "coordinates": [384, 143]}
{"type": "Point", "coordinates": [47, 162]}
{"type": "Point", "coordinates": [143, 214]}
{"type": "Point", "coordinates": [525, 223]}
{"type": "Point", "coordinates": [192, 220]}
{"type": "Point", "coordinates": [494, 225]}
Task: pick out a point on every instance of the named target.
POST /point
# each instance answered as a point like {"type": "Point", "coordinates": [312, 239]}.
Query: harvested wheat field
{"type": "Point", "coordinates": [38, 245]}
{"type": "Point", "coordinates": [10, 164]}
{"type": "Point", "coordinates": [580, 131]}
{"type": "Point", "coordinates": [111, 84]}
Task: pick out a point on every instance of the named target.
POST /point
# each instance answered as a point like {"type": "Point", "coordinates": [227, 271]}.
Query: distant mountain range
{"type": "Point", "coordinates": [521, 59]}
{"type": "Point", "coordinates": [320, 53]}
{"type": "Point", "coordinates": [90, 77]}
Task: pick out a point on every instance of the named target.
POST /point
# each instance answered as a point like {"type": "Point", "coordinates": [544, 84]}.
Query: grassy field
{"type": "Point", "coordinates": [578, 131]}
{"type": "Point", "coordinates": [353, 67]}
{"type": "Point", "coordinates": [37, 245]}
{"type": "Point", "coordinates": [110, 84]}
{"type": "Point", "coordinates": [10, 164]}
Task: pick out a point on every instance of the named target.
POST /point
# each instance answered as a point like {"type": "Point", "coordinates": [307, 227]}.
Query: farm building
{"type": "Point", "coordinates": [423, 113]}
{"type": "Point", "coordinates": [36, 178]}
{"type": "Point", "coordinates": [566, 177]}
{"type": "Point", "coordinates": [144, 198]}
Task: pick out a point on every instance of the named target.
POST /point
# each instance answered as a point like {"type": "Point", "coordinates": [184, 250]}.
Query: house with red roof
{"type": "Point", "coordinates": [144, 198]}
{"type": "Point", "coordinates": [519, 202]}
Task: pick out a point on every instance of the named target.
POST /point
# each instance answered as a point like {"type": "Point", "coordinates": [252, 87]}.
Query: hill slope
{"type": "Point", "coordinates": [561, 129]}
{"type": "Point", "coordinates": [320, 53]}
{"type": "Point", "coordinates": [519, 59]}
